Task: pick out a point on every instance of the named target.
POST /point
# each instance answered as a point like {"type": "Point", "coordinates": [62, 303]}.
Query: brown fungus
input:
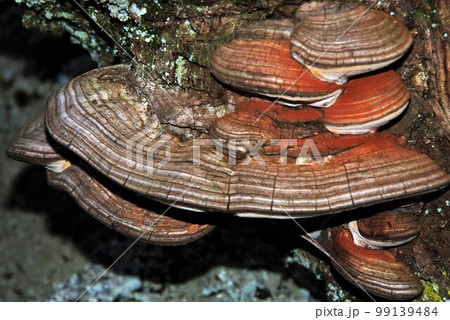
{"type": "Point", "coordinates": [367, 104]}
{"type": "Point", "coordinates": [386, 229]}
{"type": "Point", "coordinates": [336, 41]}
{"type": "Point", "coordinates": [33, 145]}
{"type": "Point", "coordinates": [377, 271]}
{"type": "Point", "coordinates": [132, 136]}
{"type": "Point", "coordinates": [265, 67]}
{"type": "Point", "coordinates": [120, 211]}
{"type": "Point", "coordinates": [100, 117]}
{"type": "Point", "coordinates": [113, 206]}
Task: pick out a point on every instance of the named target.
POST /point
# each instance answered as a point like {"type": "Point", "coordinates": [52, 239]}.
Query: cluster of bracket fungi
{"type": "Point", "coordinates": [118, 140]}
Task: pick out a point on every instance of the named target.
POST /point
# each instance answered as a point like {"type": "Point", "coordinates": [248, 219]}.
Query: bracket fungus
{"type": "Point", "coordinates": [100, 117]}
{"type": "Point", "coordinates": [115, 136]}
{"type": "Point", "coordinates": [109, 203]}
{"type": "Point", "coordinates": [267, 29]}
{"type": "Point", "coordinates": [336, 41]}
{"type": "Point", "coordinates": [126, 129]}
{"type": "Point", "coordinates": [126, 213]}
{"type": "Point", "coordinates": [330, 42]}
{"type": "Point", "coordinates": [362, 257]}
{"type": "Point", "coordinates": [377, 271]}
{"type": "Point", "coordinates": [33, 145]}
{"type": "Point", "coordinates": [367, 104]}
{"type": "Point", "coordinates": [265, 67]}
{"type": "Point", "coordinates": [259, 62]}
{"type": "Point", "coordinates": [386, 229]}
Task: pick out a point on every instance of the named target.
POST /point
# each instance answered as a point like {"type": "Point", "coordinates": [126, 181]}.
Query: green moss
{"type": "Point", "coordinates": [447, 278]}
{"type": "Point", "coordinates": [430, 292]}
{"type": "Point", "coordinates": [423, 13]}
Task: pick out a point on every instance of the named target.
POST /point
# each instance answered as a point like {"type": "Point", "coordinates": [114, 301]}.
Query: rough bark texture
{"type": "Point", "coordinates": [176, 38]}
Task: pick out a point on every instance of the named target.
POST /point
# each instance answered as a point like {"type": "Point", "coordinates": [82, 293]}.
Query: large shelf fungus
{"type": "Point", "coordinates": [125, 213]}
{"type": "Point", "coordinates": [122, 136]}
{"type": "Point", "coordinates": [126, 129]}
{"type": "Point", "coordinates": [322, 40]}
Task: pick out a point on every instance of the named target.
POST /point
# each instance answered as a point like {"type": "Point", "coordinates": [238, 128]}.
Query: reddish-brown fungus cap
{"type": "Point", "coordinates": [387, 229]}
{"type": "Point", "coordinates": [265, 67]}
{"type": "Point", "coordinates": [125, 216]}
{"type": "Point", "coordinates": [112, 205]}
{"type": "Point", "coordinates": [337, 40]}
{"type": "Point", "coordinates": [377, 271]}
{"type": "Point", "coordinates": [245, 128]}
{"type": "Point", "coordinates": [262, 124]}
{"type": "Point", "coordinates": [33, 145]}
{"type": "Point", "coordinates": [101, 118]}
{"type": "Point", "coordinates": [367, 104]}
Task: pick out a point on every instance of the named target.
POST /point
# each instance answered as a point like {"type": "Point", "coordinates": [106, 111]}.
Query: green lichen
{"type": "Point", "coordinates": [335, 293]}
{"type": "Point", "coordinates": [180, 70]}
{"type": "Point", "coordinates": [186, 28]}
{"type": "Point", "coordinates": [59, 17]}
{"type": "Point", "coordinates": [118, 9]}
{"type": "Point", "coordinates": [119, 19]}
{"type": "Point", "coordinates": [33, 3]}
{"type": "Point", "coordinates": [303, 259]}
{"type": "Point", "coordinates": [123, 10]}
{"type": "Point", "coordinates": [233, 291]}
{"type": "Point", "coordinates": [136, 11]}
{"type": "Point", "coordinates": [155, 33]}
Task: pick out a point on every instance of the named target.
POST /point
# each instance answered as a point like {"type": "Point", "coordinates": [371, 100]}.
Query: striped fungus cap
{"type": "Point", "coordinates": [102, 118]}
{"type": "Point", "coordinates": [359, 251]}
{"type": "Point", "coordinates": [258, 61]}
{"type": "Point", "coordinates": [107, 202]}
{"type": "Point", "coordinates": [265, 67]}
{"type": "Point", "coordinates": [117, 141]}
{"type": "Point", "coordinates": [375, 270]}
{"type": "Point", "coordinates": [336, 41]}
